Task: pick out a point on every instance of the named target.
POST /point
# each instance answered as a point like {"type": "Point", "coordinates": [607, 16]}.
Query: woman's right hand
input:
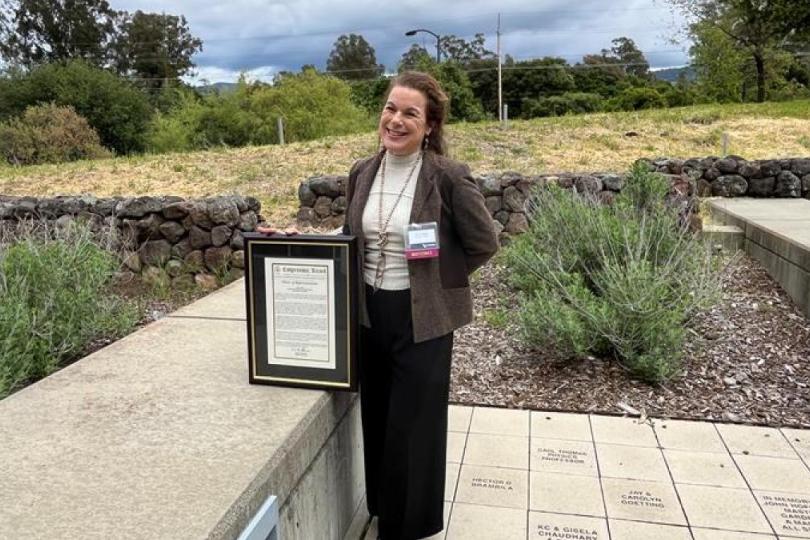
{"type": "Point", "coordinates": [270, 230]}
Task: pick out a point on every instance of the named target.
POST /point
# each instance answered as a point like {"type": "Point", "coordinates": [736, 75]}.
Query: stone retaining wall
{"type": "Point", "coordinates": [186, 239]}
{"type": "Point", "coordinates": [323, 202]}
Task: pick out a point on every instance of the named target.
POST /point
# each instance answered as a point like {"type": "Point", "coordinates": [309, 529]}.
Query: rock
{"type": "Point", "coordinates": [517, 224]}
{"type": "Point", "coordinates": [206, 281]}
{"type": "Point", "coordinates": [174, 268]}
{"type": "Point", "coordinates": [704, 188]}
{"type": "Point", "coordinates": [769, 167]}
{"type": "Point", "coordinates": [220, 235]}
{"type": "Point", "coordinates": [172, 231]}
{"type": "Point", "coordinates": [137, 207]}
{"type": "Point", "coordinates": [194, 261]}
{"type": "Point", "coordinates": [502, 216]}
{"type": "Point", "coordinates": [514, 199]}
{"type": "Point", "coordinates": [238, 259]}
{"type": "Point", "coordinates": [223, 211]}
{"type": "Point", "coordinates": [106, 207]}
{"type": "Point", "coordinates": [63, 222]}
{"type": "Point", "coordinates": [305, 195]}
{"type": "Point", "coordinates": [325, 186]}
{"type": "Point", "coordinates": [181, 249]}
{"type": "Point", "coordinates": [590, 185]}
{"type": "Point", "coordinates": [306, 216]}
{"type": "Point", "coordinates": [800, 167]}
{"type": "Point", "coordinates": [248, 221]}
{"type": "Point", "coordinates": [498, 226]}
{"type": "Point", "coordinates": [606, 197]}
{"type": "Point", "coordinates": [712, 174]}
{"type": "Point", "coordinates": [727, 165]}
{"type": "Point", "coordinates": [732, 185]}
{"type": "Point", "coordinates": [613, 182]}
{"type": "Point", "coordinates": [788, 185]}
{"type": "Point", "coordinates": [154, 276]}
{"type": "Point", "coordinates": [762, 187]}
{"type": "Point", "coordinates": [750, 169]}
{"type": "Point", "coordinates": [155, 252]}
{"type": "Point", "coordinates": [198, 215]}
{"type": "Point", "coordinates": [237, 240]}
{"type": "Point", "coordinates": [806, 183]}
{"type": "Point", "coordinates": [493, 204]}
{"type": "Point", "coordinates": [339, 205]}
{"type": "Point", "coordinates": [323, 206]}
{"type": "Point", "coordinates": [509, 178]}
{"type": "Point", "coordinates": [177, 210]}
{"type": "Point", "coordinates": [199, 238]}
{"type": "Point", "coordinates": [241, 203]}
{"type": "Point", "coordinates": [333, 222]}
{"type": "Point", "coordinates": [693, 174]}
{"type": "Point", "coordinates": [217, 258]}
{"type": "Point", "coordinates": [132, 261]}
{"type": "Point", "coordinates": [253, 204]}
{"type": "Point", "coordinates": [489, 185]}
{"type": "Point", "coordinates": [565, 181]}
{"type": "Point", "coordinates": [675, 166]}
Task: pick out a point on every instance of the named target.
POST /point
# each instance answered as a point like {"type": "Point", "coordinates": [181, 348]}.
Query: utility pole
{"type": "Point", "coordinates": [500, 92]}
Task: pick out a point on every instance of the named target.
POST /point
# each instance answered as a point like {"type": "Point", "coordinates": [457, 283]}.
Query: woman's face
{"type": "Point", "coordinates": [403, 123]}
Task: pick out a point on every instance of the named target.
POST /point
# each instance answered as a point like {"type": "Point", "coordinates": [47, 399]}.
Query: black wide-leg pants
{"type": "Point", "coordinates": [404, 390]}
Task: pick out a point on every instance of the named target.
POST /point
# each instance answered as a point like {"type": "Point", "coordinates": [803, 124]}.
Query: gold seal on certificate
{"type": "Point", "coordinates": [301, 301]}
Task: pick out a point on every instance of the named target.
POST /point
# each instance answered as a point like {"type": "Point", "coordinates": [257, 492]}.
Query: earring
{"type": "Point", "coordinates": [425, 142]}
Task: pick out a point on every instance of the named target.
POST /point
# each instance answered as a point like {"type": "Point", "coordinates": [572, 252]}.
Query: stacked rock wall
{"type": "Point", "coordinates": [186, 239]}
{"type": "Point", "coordinates": [323, 201]}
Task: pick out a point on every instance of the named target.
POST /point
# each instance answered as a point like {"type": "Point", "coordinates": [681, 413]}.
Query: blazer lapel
{"type": "Point", "coordinates": [365, 179]}
{"type": "Point", "coordinates": [425, 184]}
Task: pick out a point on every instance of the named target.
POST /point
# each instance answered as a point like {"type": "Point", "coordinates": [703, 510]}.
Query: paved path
{"type": "Point", "coordinates": [554, 476]}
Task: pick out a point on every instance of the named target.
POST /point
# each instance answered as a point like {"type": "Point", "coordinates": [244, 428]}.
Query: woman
{"type": "Point", "coordinates": [411, 307]}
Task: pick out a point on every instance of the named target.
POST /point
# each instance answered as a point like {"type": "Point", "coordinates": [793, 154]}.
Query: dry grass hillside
{"type": "Point", "coordinates": [597, 142]}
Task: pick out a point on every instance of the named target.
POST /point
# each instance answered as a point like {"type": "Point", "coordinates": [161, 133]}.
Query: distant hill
{"type": "Point", "coordinates": [672, 74]}
{"type": "Point", "coordinates": [217, 88]}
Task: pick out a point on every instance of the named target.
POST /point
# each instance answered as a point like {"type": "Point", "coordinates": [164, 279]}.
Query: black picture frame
{"type": "Point", "coordinates": [295, 308]}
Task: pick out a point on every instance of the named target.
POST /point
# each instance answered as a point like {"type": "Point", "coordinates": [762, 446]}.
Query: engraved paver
{"type": "Point", "coordinates": [500, 421]}
{"type": "Point", "coordinates": [545, 526]}
{"type": "Point", "coordinates": [573, 457]}
{"type": "Point", "coordinates": [789, 513]}
{"type": "Point", "coordinates": [553, 425]}
{"type": "Point", "coordinates": [492, 486]}
{"type": "Point", "coordinates": [475, 522]}
{"type": "Point", "coordinates": [654, 502]}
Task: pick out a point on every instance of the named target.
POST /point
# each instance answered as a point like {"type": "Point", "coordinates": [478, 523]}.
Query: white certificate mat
{"type": "Point", "coordinates": [300, 318]}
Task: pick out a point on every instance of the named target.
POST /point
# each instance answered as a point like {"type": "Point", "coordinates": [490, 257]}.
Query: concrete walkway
{"type": "Point", "coordinates": [537, 475]}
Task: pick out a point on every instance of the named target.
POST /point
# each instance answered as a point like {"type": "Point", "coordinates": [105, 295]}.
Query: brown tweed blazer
{"type": "Point", "coordinates": [445, 193]}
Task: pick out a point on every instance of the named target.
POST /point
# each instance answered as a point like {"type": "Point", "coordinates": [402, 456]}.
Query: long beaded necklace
{"type": "Point", "coordinates": [382, 234]}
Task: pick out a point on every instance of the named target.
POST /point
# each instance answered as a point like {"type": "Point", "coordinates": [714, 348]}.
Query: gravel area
{"type": "Point", "coordinates": [747, 361]}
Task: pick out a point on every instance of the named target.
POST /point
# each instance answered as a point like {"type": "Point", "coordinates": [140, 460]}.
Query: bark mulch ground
{"type": "Point", "coordinates": [747, 360]}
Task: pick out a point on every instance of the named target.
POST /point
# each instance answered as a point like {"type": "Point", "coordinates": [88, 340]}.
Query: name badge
{"type": "Point", "coordinates": [421, 240]}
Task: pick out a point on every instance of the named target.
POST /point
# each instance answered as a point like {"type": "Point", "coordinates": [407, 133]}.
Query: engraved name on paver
{"type": "Point", "coordinates": [555, 532]}
{"type": "Point", "coordinates": [793, 511]}
{"type": "Point", "coordinates": [560, 455]}
{"type": "Point", "coordinates": [492, 483]}
{"type": "Point", "coordinates": [643, 499]}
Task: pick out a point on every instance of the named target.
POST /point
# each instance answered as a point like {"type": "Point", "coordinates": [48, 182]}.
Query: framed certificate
{"type": "Point", "coordinates": [301, 295]}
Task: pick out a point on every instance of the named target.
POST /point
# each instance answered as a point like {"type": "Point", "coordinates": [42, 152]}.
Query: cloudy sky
{"type": "Point", "coordinates": [262, 37]}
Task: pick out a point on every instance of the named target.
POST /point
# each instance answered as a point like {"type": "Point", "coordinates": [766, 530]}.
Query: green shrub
{"type": "Point", "coordinates": [568, 103]}
{"type": "Point", "coordinates": [611, 280]}
{"type": "Point", "coordinates": [55, 302]}
{"type": "Point", "coordinates": [369, 95]}
{"type": "Point", "coordinates": [638, 98]}
{"type": "Point", "coordinates": [49, 134]}
{"type": "Point", "coordinates": [117, 110]}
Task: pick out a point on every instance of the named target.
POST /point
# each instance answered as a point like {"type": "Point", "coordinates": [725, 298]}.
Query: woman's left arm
{"type": "Point", "coordinates": [472, 220]}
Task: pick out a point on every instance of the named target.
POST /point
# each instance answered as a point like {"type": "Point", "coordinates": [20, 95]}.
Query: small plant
{"type": "Point", "coordinates": [619, 280]}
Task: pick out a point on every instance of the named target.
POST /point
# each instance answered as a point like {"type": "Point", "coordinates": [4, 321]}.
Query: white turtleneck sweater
{"type": "Point", "coordinates": [396, 266]}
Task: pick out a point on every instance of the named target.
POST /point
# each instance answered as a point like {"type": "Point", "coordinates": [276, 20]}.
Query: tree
{"type": "Point", "coordinates": [413, 57]}
{"type": "Point", "coordinates": [353, 58]}
{"type": "Point", "coordinates": [632, 60]}
{"type": "Point", "coordinates": [455, 48]}
{"type": "Point", "coordinates": [755, 26]}
{"type": "Point", "coordinates": [155, 48]}
{"type": "Point", "coordinates": [37, 31]}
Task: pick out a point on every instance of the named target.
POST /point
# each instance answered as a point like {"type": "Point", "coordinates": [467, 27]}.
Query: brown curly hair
{"type": "Point", "coordinates": [437, 105]}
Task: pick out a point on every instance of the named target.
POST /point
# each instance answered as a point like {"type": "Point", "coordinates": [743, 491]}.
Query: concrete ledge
{"type": "Point", "coordinates": [777, 233]}
{"type": "Point", "coordinates": [159, 435]}
{"type": "Point", "coordinates": [728, 237]}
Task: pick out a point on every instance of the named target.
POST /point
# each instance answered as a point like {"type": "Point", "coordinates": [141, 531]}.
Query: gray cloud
{"type": "Point", "coordinates": [262, 38]}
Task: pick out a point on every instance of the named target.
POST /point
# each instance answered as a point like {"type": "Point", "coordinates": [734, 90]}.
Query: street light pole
{"type": "Point", "coordinates": [438, 41]}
